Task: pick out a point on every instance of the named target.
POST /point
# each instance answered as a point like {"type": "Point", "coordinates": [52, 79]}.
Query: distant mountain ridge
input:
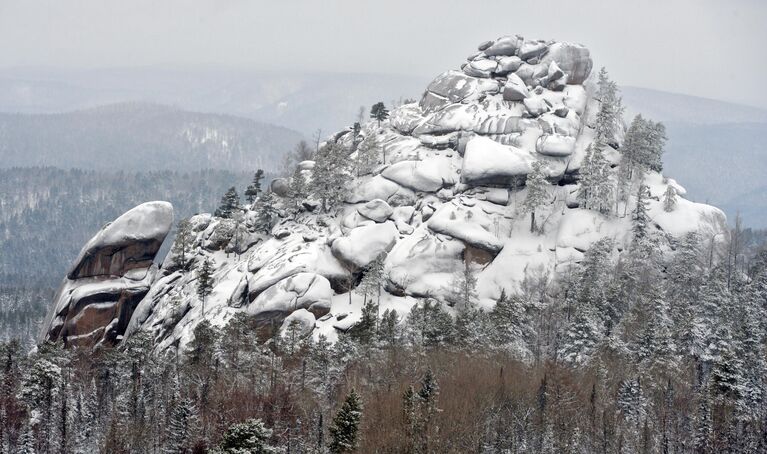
{"type": "Point", "coordinates": [731, 147]}
{"type": "Point", "coordinates": [674, 107]}
{"type": "Point", "coordinates": [141, 136]}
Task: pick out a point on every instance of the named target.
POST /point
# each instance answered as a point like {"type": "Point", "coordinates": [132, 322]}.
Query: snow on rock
{"type": "Point", "coordinates": [489, 162]}
{"type": "Point", "coordinates": [297, 325]}
{"type": "Point", "coordinates": [454, 86]}
{"type": "Point", "coordinates": [574, 60]}
{"type": "Point", "coordinates": [506, 45]}
{"type": "Point", "coordinates": [422, 263]}
{"type": "Point", "coordinates": [276, 260]}
{"type": "Point", "coordinates": [376, 210]}
{"type": "Point", "coordinates": [110, 276]}
{"type": "Point", "coordinates": [580, 228]}
{"type": "Point", "coordinates": [536, 105]}
{"type": "Point", "coordinates": [363, 244]}
{"type": "Point", "coordinates": [428, 175]}
{"type": "Point", "coordinates": [378, 187]}
{"type": "Point", "coordinates": [468, 224]}
{"type": "Point", "coordinates": [508, 65]}
{"type": "Point", "coordinates": [130, 241]}
{"type": "Point", "coordinates": [555, 145]}
{"type": "Point", "coordinates": [515, 89]}
{"type": "Point", "coordinates": [301, 291]}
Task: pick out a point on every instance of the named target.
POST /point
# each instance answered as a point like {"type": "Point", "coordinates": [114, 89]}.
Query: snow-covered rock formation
{"type": "Point", "coordinates": [446, 195]}
{"type": "Point", "coordinates": [112, 273]}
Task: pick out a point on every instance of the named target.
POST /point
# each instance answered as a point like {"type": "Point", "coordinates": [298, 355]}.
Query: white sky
{"type": "Point", "coordinates": [711, 48]}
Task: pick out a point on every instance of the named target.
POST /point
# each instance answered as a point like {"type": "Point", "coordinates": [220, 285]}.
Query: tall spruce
{"type": "Point", "coordinates": [344, 432]}
{"type": "Point", "coordinates": [230, 202]}
{"type": "Point", "coordinates": [330, 175]}
{"type": "Point", "coordinates": [254, 189]}
{"type": "Point", "coordinates": [537, 192]}
{"type": "Point", "coordinates": [204, 282]}
{"type": "Point", "coordinates": [182, 244]}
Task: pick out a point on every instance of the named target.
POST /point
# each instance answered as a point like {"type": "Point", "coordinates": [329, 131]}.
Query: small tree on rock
{"type": "Point", "coordinates": [182, 245]}
{"type": "Point", "coordinates": [367, 155]}
{"type": "Point", "coordinates": [254, 189]}
{"type": "Point", "coordinates": [204, 282]}
{"type": "Point", "coordinates": [230, 202]}
{"type": "Point", "coordinates": [537, 192]}
{"type": "Point", "coordinates": [669, 199]}
{"type": "Point", "coordinates": [379, 112]}
{"type": "Point", "coordinates": [330, 174]}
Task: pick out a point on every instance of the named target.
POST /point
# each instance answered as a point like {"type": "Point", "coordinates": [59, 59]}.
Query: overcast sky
{"type": "Point", "coordinates": [711, 48]}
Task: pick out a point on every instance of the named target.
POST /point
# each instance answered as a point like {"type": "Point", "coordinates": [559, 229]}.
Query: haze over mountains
{"type": "Point", "coordinates": [715, 147]}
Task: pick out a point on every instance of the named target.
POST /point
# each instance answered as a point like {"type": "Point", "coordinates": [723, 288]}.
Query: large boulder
{"type": "Point", "coordinates": [515, 89]}
{"type": "Point", "coordinates": [112, 273]}
{"type": "Point", "coordinates": [452, 87]}
{"type": "Point", "coordinates": [487, 162]}
{"type": "Point", "coordinates": [506, 45]}
{"type": "Point", "coordinates": [308, 291]}
{"type": "Point", "coordinates": [363, 244]}
{"type": "Point", "coordinates": [376, 210]}
{"type": "Point", "coordinates": [573, 59]}
{"type": "Point", "coordinates": [508, 65]}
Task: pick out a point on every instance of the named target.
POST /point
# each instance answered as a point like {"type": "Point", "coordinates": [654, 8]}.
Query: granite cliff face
{"type": "Point", "coordinates": [445, 196]}
{"type": "Point", "coordinates": [110, 276]}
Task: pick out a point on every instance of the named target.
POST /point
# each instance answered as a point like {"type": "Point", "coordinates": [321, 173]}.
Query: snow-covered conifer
{"type": "Point", "coordinates": [537, 192]}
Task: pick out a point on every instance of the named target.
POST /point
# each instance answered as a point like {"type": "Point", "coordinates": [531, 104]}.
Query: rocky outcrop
{"type": "Point", "coordinates": [112, 273]}
{"type": "Point", "coordinates": [445, 197]}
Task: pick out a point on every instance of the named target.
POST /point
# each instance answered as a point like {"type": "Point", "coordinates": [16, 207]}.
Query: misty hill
{"type": "Point", "coordinates": [304, 101]}
{"type": "Point", "coordinates": [678, 108]}
{"type": "Point", "coordinates": [138, 136]}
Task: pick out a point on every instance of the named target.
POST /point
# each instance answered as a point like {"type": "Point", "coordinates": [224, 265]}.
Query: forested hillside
{"type": "Point", "coordinates": [46, 214]}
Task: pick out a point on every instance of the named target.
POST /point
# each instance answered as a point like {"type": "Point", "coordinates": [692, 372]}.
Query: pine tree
{"type": "Point", "coordinates": [26, 442]}
{"type": "Point", "coordinates": [330, 175]}
{"type": "Point", "coordinates": [180, 434]}
{"type": "Point", "coordinates": [344, 431]}
{"type": "Point", "coordinates": [379, 112]}
{"type": "Point", "coordinates": [428, 325]}
{"type": "Point", "coordinates": [204, 282]}
{"type": "Point", "coordinates": [251, 437]}
{"type": "Point", "coordinates": [610, 109]}
{"type": "Point", "coordinates": [669, 199]}
{"type": "Point", "coordinates": [596, 187]}
{"type": "Point", "coordinates": [266, 212]}
{"type": "Point", "coordinates": [388, 328]}
{"type": "Point", "coordinates": [254, 189]}
{"type": "Point", "coordinates": [356, 129]}
{"type": "Point", "coordinates": [182, 245]}
{"type": "Point", "coordinates": [509, 320]}
{"type": "Point", "coordinates": [298, 190]}
{"type": "Point", "coordinates": [230, 202]}
{"type": "Point", "coordinates": [641, 218]}
{"type": "Point", "coordinates": [367, 155]}
{"type": "Point", "coordinates": [411, 419]}
{"type": "Point", "coordinates": [643, 146]}
{"type": "Point", "coordinates": [365, 330]}
{"type": "Point", "coordinates": [464, 287]}
{"type": "Point", "coordinates": [427, 402]}
{"type": "Point", "coordinates": [537, 192]}
{"type": "Point", "coordinates": [373, 279]}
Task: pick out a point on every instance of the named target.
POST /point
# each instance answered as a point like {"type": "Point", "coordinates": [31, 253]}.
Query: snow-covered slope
{"type": "Point", "coordinates": [446, 196]}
